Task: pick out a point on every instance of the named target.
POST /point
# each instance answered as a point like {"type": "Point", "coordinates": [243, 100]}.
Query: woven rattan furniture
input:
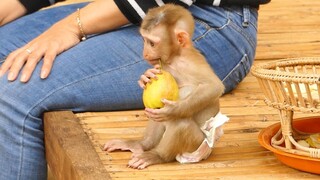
{"type": "Point", "coordinates": [291, 85]}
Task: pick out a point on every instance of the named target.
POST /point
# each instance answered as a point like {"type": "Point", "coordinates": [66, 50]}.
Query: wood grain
{"type": "Point", "coordinates": [286, 28]}
{"type": "Point", "coordinates": [69, 152]}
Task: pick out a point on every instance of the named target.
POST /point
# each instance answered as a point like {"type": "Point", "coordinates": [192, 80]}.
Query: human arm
{"type": "Point", "coordinates": [10, 10]}
{"type": "Point", "coordinates": [136, 10]}
{"type": "Point", "coordinates": [13, 9]}
{"type": "Point", "coordinates": [34, 5]}
{"type": "Point", "coordinates": [98, 16]}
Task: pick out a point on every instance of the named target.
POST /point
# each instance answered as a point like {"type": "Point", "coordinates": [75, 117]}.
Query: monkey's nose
{"type": "Point", "coordinates": [145, 56]}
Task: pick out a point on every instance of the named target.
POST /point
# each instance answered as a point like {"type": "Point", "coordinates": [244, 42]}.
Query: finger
{"type": "Point", "coordinates": [145, 79]}
{"type": "Point", "coordinates": [157, 66]}
{"type": "Point", "coordinates": [143, 165]}
{"type": "Point", "coordinates": [157, 118]}
{"type": "Point", "coordinates": [109, 148]}
{"type": "Point", "coordinates": [47, 64]}
{"type": "Point", "coordinates": [8, 62]}
{"type": "Point", "coordinates": [141, 84]}
{"type": "Point", "coordinates": [137, 162]}
{"type": "Point", "coordinates": [109, 144]}
{"type": "Point", "coordinates": [17, 64]}
{"type": "Point", "coordinates": [106, 146]}
{"type": "Point", "coordinates": [132, 162]}
{"type": "Point", "coordinates": [150, 116]}
{"type": "Point", "coordinates": [167, 102]}
{"type": "Point", "coordinates": [150, 75]}
{"type": "Point", "coordinates": [29, 67]}
{"type": "Point", "coordinates": [150, 111]}
{"type": "Point", "coordinates": [155, 70]}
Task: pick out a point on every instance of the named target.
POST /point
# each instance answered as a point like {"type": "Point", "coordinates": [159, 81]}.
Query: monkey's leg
{"type": "Point", "coordinates": [151, 138]}
{"type": "Point", "coordinates": [179, 137]}
{"type": "Point", "coordinates": [153, 135]}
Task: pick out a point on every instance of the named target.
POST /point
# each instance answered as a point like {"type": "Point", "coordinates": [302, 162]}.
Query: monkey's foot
{"type": "Point", "coordinates": [124, 145]}
{"type": "Point", "coordinates": [143, 160]}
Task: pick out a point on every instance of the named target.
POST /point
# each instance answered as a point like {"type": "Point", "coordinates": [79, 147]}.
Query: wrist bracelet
{"type": "Point", "coordinates": [84, 36]}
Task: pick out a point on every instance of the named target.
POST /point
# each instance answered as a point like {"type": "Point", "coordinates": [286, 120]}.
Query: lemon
{"type": "Point", "coordinates": [165, 87]}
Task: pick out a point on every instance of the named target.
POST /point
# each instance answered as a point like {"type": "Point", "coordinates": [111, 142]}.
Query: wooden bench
{"type": "Point", "coordinates": [73, 140]}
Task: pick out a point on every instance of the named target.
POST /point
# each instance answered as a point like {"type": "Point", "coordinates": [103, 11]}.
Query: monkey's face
{"type": "Point", "coordinates": [151, 46]}
{"type": "Point", "coordinates": [157, 45]}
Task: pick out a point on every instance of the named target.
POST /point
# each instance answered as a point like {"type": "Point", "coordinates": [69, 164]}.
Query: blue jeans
{"type": "Point", "coordinates": [100, 74]}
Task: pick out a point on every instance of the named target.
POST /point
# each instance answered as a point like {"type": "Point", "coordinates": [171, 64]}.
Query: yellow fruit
{"type": "Point", "coordinates": [165, 87]}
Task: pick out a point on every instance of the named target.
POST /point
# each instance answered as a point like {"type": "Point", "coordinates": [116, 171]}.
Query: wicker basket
{"type": "Point", "coordinates": [291, 85]}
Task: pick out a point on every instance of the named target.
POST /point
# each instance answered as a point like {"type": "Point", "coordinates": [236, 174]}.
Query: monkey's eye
{"type": "Point", "coordinates": [152, 44]}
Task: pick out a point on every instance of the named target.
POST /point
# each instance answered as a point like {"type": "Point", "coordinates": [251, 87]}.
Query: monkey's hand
{"type": "Point", "coordinates": [143, 160]}
{"type": "Point", "coordinates": [163, 114]}
{"type": "Point", "coordinates": [148, 75]}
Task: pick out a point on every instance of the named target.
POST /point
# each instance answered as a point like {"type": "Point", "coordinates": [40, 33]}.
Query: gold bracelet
{"type": "Point", "coordinates": [84, 36]}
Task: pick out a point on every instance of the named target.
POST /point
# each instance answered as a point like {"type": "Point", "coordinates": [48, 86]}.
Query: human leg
{"type": "Point", "coordinates": [19, 32]}
{"type": "Point", "coordinates": [227, 38]}
{"type": "Point", "coordinates": [98, 74]}
{"type": "Point", "coordinates": [83, 87]}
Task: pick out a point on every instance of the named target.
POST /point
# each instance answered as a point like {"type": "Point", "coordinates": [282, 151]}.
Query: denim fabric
{"type": "Point", "coordinates": [100, 74]}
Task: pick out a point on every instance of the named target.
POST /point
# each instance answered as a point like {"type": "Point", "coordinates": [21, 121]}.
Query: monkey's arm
{"type": "Point", "coordinates": [202, 95]}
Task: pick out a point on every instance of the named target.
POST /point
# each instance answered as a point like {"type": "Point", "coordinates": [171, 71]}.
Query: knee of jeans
{"type": "Point", "coordinates": [237, 74]}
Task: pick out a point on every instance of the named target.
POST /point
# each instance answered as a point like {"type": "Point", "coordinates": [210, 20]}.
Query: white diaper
{"type": "Point", "coordinates": [213, 131]}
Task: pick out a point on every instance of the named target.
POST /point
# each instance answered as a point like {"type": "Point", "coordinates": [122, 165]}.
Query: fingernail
{"type": "Point", "coordinates": [43, 74]}
{"type": "Point", "coordinates": [23, 78]}
{"type": "Point", "coordinates": [11, 76]}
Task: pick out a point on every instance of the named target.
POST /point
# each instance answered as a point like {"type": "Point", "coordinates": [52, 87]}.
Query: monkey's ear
{"type": "Point", "coordinates": [183, 38]}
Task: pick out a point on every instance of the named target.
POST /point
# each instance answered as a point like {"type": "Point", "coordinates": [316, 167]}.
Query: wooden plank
{"type": "Point", "coordinates": [69, 152]}
{"type": "Point", "coordinates": [288, 28]}
{"type": "Point", "coordinates": [237, 154]}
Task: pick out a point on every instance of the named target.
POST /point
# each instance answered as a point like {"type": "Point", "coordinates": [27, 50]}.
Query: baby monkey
{"type": "Point", "coordinates": [174, 131]}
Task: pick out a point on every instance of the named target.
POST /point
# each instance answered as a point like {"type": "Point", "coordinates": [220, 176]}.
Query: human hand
{"type": "Point", "coordinates": [60, 37]}
{"type": "Point", "coordinates": [10, 10]}
{"type": "Point", "coordinates": [148, 75]}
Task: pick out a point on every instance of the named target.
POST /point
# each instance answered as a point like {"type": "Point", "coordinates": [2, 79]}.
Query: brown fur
{"type": "Point", "coordinates": [175, 128]}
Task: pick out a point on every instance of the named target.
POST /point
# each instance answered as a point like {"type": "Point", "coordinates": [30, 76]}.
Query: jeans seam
{"type": "Point", "coordinates": [235, 27]}
{"type": "Point", "coordinates": [22, 146]}
{"type": "Point", "coordinates": [209, 29]}
{"type": "Point", "coordinates": [234, 68]}
{"type": "Point", "coordinates": [238, 29]}
{"type": "Point", "coordinates": [242, 15]}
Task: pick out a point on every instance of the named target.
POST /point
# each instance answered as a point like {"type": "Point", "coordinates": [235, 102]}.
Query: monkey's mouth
{"type": "Point", "coordinates": [154, 61]}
